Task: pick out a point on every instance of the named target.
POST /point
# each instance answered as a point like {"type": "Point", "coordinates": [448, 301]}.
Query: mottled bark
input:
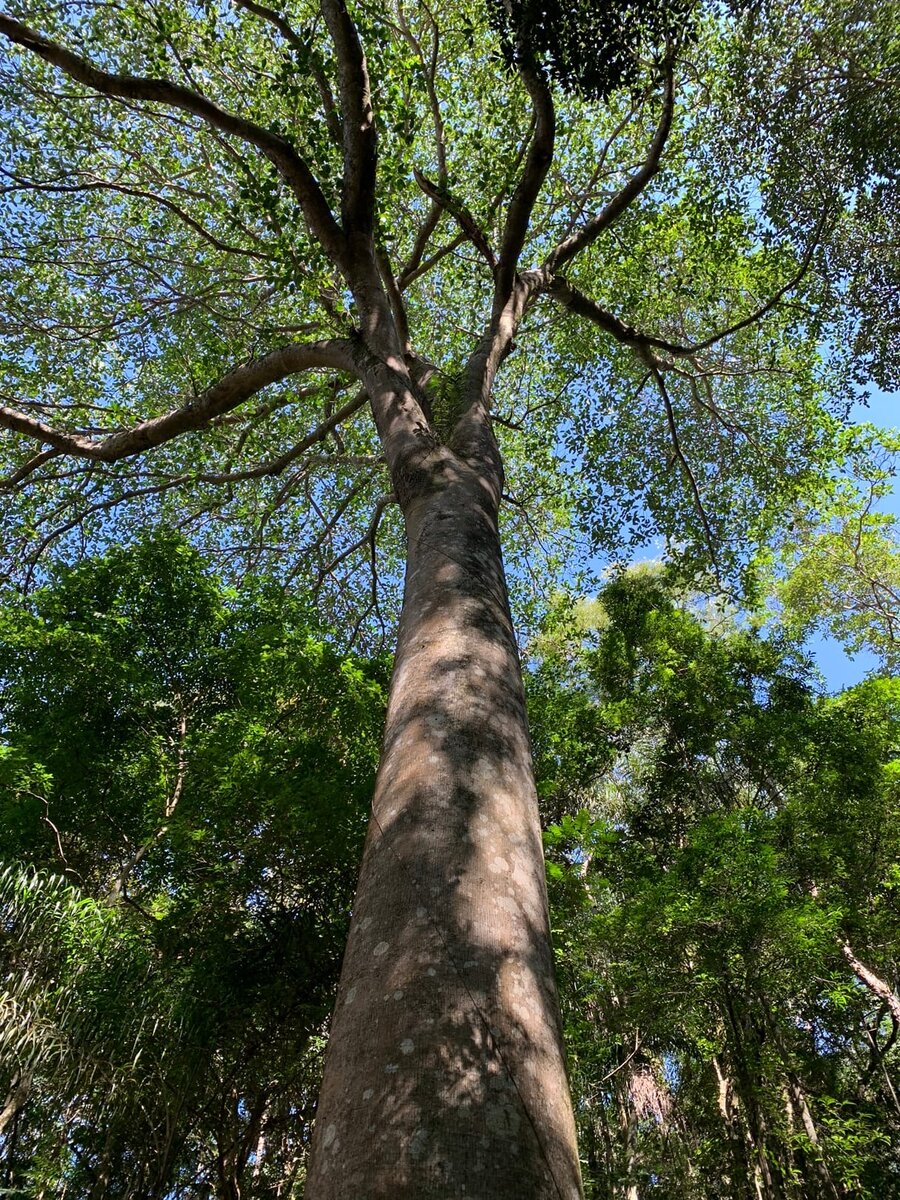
{"type": "Point", "coordinates": [445, 1074]}
{"type": "Point", "coordinates": [729, 1107]}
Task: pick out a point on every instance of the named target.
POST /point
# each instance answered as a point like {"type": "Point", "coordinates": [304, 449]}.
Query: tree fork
{"type": "Point", "coordinates": [445, 1073]}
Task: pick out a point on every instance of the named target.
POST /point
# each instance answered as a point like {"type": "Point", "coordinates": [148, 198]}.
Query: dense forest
{"type": "Point", "coordinates": [186, 779]}
{"type": "Point", "coordinates": [428, 441]}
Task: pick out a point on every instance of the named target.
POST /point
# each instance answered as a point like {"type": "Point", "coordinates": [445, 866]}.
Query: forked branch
{"type": "Point", "coordinates": [591, 230]}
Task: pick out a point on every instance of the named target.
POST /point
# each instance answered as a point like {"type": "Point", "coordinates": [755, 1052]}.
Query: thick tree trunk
{"type": "Point", "coordinates": [445, 1074]}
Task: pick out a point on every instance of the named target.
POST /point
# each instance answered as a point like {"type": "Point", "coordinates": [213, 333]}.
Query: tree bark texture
{"type": "Point", "coordinates": [445, 1072]}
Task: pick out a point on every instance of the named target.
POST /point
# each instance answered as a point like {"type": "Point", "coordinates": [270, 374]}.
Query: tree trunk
{"type": "Point", "coordinates": [445, 1073]}
{"type": "Point", "coordinates": [827, 1186]}
{"type": "Point", "coordinates": [745, 1054]}
{"type": "Point", "coordinates": [734, 1125]}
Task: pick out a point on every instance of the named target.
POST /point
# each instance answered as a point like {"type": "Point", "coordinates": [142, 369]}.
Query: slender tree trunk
{"type": "Point", "coordinates": [797, 1101]}
{"type": "Point", "coordinates": [748, 1087]}
{"type": "Point", "coordinates": [737, 1138]}
{"type": "Point", "coordinates": [827, 1186]}
{"type": "Point", "coordinates": [445, 1074]}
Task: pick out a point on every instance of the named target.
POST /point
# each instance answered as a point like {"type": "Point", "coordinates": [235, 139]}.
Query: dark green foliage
{"type": "Point", "coordinates": [589, 48]}
{"type": "Point", "coordinates": [186, 774]}
{"type": "Point", "coordinates": [739, 829]}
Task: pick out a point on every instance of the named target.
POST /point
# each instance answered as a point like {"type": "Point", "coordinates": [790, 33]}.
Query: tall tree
{"type": "Point", "coordinates": [213, 200]}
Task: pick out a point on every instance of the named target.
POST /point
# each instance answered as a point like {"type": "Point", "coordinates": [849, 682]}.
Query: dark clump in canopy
{"type": "Point", "coordinates": [589, 47]}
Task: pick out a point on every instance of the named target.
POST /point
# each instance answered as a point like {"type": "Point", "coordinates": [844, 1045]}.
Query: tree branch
{"type": "Point", "coordinates": [109, 185]}
{"type": "Point", "coordinates": [358, 193]}
{"type": "Point", "coordinates": [583, 306]}
{"type": "Point", "coordinates": [429, 68]}
{"type": "Point", "coordinates": [284, 27]}
{"type": "Point", "coordinates": [460, 213]}
{"type": "Point", "coordinates": [27, 469]}
{"type": "Point", "coordinates": [685, 465]}
{"type": "Point", "coordinates": [291, 165]}
{"type": "Point", "coordinates": [368, 538]}
{"type": "Point", "coordinates": [395, 298]}
{"type": "Point", "coordinates": [537, 164]}
{"type": "Point", "coordinates": [236, 387]}
{"type": "Point", "coordinates": [877, 986]}
{"type": "Point", "coordinates": [415, 268]}
{"type": "Point", "coordinates": [591, 230]}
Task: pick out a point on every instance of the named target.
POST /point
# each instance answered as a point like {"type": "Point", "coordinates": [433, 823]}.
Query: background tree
{"type": "Point", "coordinates": [185, 781]}
{"type": "Point", "coordinates": [839, 567]}
{"type": "Point", "coordinates": [210, 201]}
{"type": "Point", "coordinates": [723, 856]}
{"type": "Point", "coordinates": [725, 912]}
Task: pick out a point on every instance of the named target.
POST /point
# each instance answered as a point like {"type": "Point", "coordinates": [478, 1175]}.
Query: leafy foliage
{"type": "Point", "coordinates": [186, 774]}
{"type": "Point", "coordinates": [738, 832]}
{"type": "Point", "coordinates": [590, 49]}
{"type": "Point", "coordinates": [716, 832]}
{"type": "Point", "coordinates": [842, 563]}
{"type": "Point", "coordinates": [160, 253]}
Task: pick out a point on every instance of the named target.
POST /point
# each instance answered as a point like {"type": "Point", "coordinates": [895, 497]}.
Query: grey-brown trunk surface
{"type": "Point", "coordinates": [445, 1074]}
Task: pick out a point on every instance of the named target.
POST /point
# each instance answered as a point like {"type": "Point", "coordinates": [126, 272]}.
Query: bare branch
{"type": "Point", "coordinates": [537, 164]}
{"type": "Point", "coordinates": [591, 230]}
{"type": "Point", "coordinates": [581, 305]}
{"type": "Point", "coordinates": [429, 68]}
{"type": "Point", "coordinates": [763, 309]}
{"type": "Point", "coordinates": [586, 191]}
{"type": "Point", "coordinates": [278, 150]}
{"type": "Point", "coordinates": [460, 213]}
{"type": "Point", "coordinates": [236, 387]}
{"type": "Point", "coordinates": [368, 538]}
{"type": "Point", "coordinates": [416, 269]}
{"type": "Point", "coordinates": [358, 194]}
{"type": "Point", "coordinates": [276, 465]}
